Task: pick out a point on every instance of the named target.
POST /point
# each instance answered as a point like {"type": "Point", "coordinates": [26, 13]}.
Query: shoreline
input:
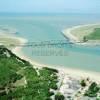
{"type": "Point", "coordinates": [68, 71]}
{"type": "Point", "coordinates": [62, 69]}
{"type": "Point", "coordinates": [74, 39]}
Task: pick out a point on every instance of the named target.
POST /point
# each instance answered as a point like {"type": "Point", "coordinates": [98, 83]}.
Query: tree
{"type": "Point", "coordinates": [59, 96]}
{"type": "Point", "coordinates": [85, 39]}
{"type": "Point", "coordinates": [83, 83]}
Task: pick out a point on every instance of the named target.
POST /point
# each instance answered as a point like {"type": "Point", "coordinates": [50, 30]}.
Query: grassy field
{"type": "Point", "coordinates": [91, 32]}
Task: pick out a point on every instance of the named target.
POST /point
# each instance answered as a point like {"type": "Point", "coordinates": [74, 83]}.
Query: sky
{"type": "Point", "coordinates": [50, 6]}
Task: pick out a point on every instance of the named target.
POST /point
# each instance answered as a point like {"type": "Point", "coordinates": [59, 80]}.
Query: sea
{"type": "Point", "coordinates": [48, 27]}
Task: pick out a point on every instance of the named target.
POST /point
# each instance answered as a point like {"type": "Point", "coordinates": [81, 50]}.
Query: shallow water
{"type": "Point", "coordinates": [49, 27]}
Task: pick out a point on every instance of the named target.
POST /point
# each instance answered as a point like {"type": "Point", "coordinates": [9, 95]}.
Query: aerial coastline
{"type": "Point", "coordinates": [50, 50]}
{"type": "Point", "coordinates": [66, 76]}
{"type": "Point", "coordinates": [67, 70]}
{"type": "Point", "coordinates": [78, 72]}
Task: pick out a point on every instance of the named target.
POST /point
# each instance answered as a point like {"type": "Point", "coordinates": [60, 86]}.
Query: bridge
{"type": "Point", "coordinates": [45, 48]}
{"type": "Point", "coordinates": [44, 43]}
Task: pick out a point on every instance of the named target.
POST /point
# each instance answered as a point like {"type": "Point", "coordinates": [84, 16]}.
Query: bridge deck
{"type": "Point", "coordinates": [43, 43]}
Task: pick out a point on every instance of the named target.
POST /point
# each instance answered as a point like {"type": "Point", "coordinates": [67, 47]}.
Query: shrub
{"type": "Point", "coordinates": [83, 83]}
{"type": "Point", "coordinates": [59, 96]}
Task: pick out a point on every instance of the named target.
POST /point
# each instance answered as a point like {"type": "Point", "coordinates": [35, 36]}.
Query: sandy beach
{"type": "Point", "coordinates": [76, 37]}
{"type": "Point", "coordinates": [72, 72]}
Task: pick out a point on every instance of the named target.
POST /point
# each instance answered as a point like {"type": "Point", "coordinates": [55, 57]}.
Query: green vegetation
{"type": "Point", "coordinates": [98, 98]}
{"type": "Point", "coordinates": [95, 35]}
{"type": "Point", "coordinates": [92, 90]}
{"type": "Point", "coordinates": [83, 83]}
{"type": "Point", "coordinates": [59, 96]}
{"type": "Point", "coordinates": [34, 86]}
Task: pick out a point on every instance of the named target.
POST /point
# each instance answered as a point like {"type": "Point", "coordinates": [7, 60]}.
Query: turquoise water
{"type": "Point", "coordinates": [49, 27]}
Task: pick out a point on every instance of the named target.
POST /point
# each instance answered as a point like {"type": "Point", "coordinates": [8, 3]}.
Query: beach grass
{"type": "Point", "coordinates": [88, 31]}
{"type": "Point", "coordinates": [95, 35]}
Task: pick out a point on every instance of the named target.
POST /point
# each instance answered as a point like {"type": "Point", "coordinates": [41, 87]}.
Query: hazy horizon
{"type": "Point", "coordinates": [50, 6]}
